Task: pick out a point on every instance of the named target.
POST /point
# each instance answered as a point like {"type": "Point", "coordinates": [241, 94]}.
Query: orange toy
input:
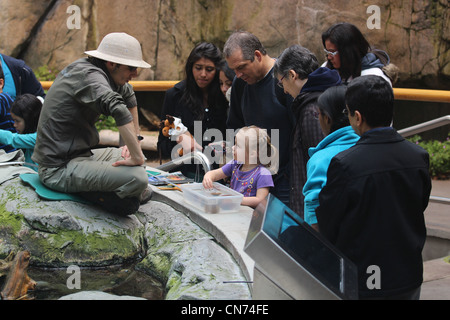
{"type": "Point", "coordinates": [168, 128]}
{"type": "Point", "coordinates": [167, 124]}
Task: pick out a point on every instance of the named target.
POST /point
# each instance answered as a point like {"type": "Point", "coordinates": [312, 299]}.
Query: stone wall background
{"type": "Point", "coordinates": [415, 33]}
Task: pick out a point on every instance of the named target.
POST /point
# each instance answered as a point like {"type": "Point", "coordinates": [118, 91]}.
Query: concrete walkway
{"type": "Point", "coordinates": [230, 230]}
{"type": "Point", "coordinates": [436, 285]}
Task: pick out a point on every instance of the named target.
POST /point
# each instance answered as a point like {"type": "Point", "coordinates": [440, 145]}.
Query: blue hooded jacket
{"type": "Point", "coordinates": [317, 167]}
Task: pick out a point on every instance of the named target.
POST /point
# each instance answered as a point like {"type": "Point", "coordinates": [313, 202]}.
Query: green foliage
{"type": "Point", "coordinates": [45, 73]}
{"type": "Point", "coordinates": [439, 155]}
{"type": "Point", "coordinates": [106, 123]}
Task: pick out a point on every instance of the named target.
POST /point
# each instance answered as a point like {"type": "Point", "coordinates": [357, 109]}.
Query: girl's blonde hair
{"type": "Point", "coordinates": [266, 152]}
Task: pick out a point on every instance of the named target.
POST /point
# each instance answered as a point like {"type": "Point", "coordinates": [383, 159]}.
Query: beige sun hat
{"type": "Point", "coordinates": [121, 48]}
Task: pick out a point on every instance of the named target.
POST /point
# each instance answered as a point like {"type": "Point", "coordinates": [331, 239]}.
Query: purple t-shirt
{"type": "Point", "coordinates": [247, 182]}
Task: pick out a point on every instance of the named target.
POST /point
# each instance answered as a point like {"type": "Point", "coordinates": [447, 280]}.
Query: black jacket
{"type": "Point", "coordinates": [24, 79]}
{"type": "Point", "coordinates": [372, 209]}
{"type": "Point", "coordinates": [215, 118]}
{"type": "Point", "coordinates": [307, 132]}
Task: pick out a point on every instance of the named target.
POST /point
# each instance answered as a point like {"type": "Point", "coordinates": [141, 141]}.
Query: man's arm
{"type": "Point", "coordinates": [128, 134]}
{"type": "Point", "coordinates": [134, 112]}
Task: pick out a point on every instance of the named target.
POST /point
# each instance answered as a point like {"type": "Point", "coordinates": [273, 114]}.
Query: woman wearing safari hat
{"type": "Point", "coordinates": [98, 84]}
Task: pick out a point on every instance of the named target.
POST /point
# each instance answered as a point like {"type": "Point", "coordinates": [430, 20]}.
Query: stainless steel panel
{"type": "Point", "coordinates": [297, 275]}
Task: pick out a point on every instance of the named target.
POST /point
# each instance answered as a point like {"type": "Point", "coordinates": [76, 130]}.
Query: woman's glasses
{"type": "Point", "coordinates": [330, 53]}
{"type": "Point", "coordinates": [280, 82]}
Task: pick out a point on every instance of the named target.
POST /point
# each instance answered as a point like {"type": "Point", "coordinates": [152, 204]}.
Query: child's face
{"type": "Point", "coordinates": [19, 123]}
{"type": "Point", "coordinates": [225, 83]}
{"type": "Point", "coordinates": [239, 150]}
{"type": "Point", "coordinates": [244, 149]}
{"type": "Point", "coordinates": [2, 84]}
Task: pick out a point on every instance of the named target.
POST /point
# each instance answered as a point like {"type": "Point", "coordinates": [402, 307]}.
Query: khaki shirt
{"type": "Point", "coordinates": [74, 103]}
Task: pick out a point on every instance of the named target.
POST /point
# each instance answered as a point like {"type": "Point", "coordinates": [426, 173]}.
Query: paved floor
{"type": "Point", "coordinates": [436, 284]}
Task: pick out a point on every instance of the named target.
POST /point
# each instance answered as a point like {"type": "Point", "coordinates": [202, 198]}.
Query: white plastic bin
{"type": "Point", "coordinates": [216, 200]}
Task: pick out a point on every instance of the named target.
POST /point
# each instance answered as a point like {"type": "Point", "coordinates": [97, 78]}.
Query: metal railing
{"type": "Point", "coordinates": [151, 86]}
{"type": "Point", "coordinates": [429, 125]}
{"type": "Point", "coordinates": [399, 93]}
{"type": "Point", "coordinates": [422, 95]}
{"type": "Point", "coordinates": [441, 200]}
{"type": "Point", "coordinates": [198, 157]}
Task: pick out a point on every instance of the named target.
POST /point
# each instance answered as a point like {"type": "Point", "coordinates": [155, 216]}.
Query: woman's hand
{"type": "Point", "coordinates": [188, 143]}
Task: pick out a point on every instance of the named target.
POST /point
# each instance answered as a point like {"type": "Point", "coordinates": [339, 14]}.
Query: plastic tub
{"type": "Point", "coordinates": [216, 200]}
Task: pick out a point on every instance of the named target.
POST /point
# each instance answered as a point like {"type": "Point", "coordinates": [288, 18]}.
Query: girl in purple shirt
{"type": "Point", "coordinates": [255, 160]}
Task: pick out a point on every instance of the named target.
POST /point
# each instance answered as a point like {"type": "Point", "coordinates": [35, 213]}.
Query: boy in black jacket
{"type": "Point", "coordinates": [377, 191]}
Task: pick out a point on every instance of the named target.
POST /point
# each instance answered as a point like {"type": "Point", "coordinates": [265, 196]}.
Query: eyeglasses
{"type": "Point", "coordinates": [280, 82]}
{"type": "Point", "coordinates": [330, 52]}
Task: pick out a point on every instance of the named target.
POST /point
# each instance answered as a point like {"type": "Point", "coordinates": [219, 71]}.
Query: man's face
{"type": "Point", "coordinates": [247, 70]}
{"type": "Point", "coordinates": [123, 74]}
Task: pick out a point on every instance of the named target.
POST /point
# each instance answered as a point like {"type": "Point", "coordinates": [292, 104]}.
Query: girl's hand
{"type": "Point", "coordinates": [207, 180]}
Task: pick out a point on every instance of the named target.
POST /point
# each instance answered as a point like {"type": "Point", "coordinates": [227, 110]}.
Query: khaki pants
{"type": "Point", "coordinates": [96, 173]}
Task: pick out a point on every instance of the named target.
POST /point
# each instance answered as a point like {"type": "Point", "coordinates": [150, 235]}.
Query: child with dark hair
{"type": "Point", "coordinates": [25, 112]}
{"type": "Point", "coordinates": [6, 122]}
{"type": "Point", "coordinates": [226, 78]}
{"type": "Point", "coordinates": [339, 136]}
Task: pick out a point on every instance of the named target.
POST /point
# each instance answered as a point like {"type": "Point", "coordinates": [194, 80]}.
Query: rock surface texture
{"type": "Point", "coordinates": [162, 242]}
{"type": "Point", "coordinates": [416, 34]}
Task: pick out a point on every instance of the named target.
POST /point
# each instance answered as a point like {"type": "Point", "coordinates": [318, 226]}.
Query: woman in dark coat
{"type": "Point", "coordinates": [197, 101]}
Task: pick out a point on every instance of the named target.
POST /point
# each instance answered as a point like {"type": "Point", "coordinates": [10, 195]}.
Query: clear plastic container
{"type": "Point", "coordinates": [216, 200]}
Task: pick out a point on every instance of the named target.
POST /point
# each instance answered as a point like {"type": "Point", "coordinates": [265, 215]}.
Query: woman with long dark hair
{"type": "Point", "coordinates": [349, 52]}
{"type": "Point", "coordinates": [197, 100]}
